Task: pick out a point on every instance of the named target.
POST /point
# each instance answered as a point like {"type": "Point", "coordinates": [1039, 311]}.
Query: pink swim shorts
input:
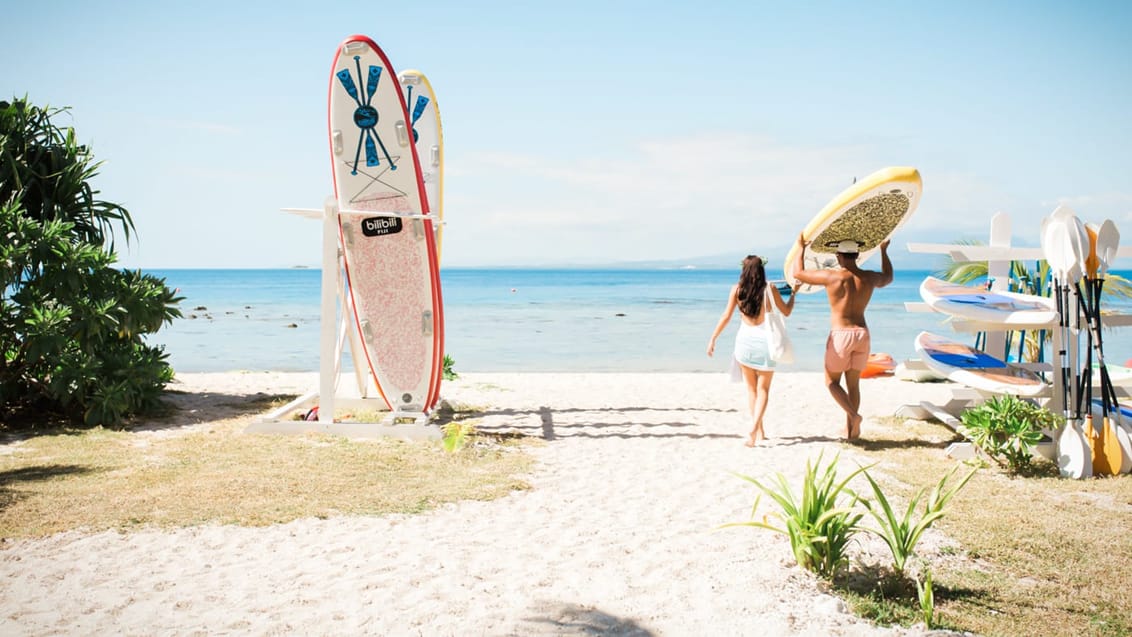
{"type": "Point", "coordinates": [846, 349]}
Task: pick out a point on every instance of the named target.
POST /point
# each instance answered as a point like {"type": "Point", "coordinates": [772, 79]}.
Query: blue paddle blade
{"type": "Point", "coordinates": [418, 110]}
{"type": "Point", "coordinates": [348, 82]}
{"type": "Point", "coordinates": [371, 152]}
{"type": "Point", "coordinates": [371, 82]}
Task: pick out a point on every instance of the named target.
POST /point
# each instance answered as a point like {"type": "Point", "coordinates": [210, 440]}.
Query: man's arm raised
{"type": "Point", "coordinates": [886, 274]}
{"type": "Point", "coordinates": [801, 274]}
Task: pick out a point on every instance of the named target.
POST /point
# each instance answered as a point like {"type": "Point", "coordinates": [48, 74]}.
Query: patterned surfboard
{"type": "Point", "coordinates": [390, 256]}
{"type": "Point", "coordinates": [868, 212]}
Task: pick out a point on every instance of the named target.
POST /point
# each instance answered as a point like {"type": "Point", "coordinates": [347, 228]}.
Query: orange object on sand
{"type": "Point", "coordinates": [879, 364]}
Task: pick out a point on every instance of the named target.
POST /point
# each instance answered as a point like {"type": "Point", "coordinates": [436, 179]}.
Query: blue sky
{"type": "Point", "coordinates": [593, 132]}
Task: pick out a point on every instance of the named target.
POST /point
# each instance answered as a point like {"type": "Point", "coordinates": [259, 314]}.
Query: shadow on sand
{"type": "Point", "coordinates": [572, 619]}
{"type": "Point", "coordinates": [548, 429]}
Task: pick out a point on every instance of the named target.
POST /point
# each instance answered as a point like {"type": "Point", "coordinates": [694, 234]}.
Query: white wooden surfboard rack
{"type": "Point", "coordinates": [998, 254]}
{"type": "Point", "coordinates": [336, 327]}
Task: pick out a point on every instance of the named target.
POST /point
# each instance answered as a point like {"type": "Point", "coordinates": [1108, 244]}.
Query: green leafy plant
{"type": "Point", "coordinates": [926, 597]}
{"type": "Point", "coordinates": [902, 533]}
{"type": "Point", "coordinates": [448, 372]}
{"type": "Point", "coordinates": [72, 327]}
{"type": "Point", "coordinates": [1006, 429]}
{"type": "Point", "coordinates": [457, 434]}
{"type": "Point", "coordinates": [820, 521]}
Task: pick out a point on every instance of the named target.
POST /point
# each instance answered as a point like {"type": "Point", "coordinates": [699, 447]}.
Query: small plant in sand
{"type": "Point", "coordinates": [819, 522]}
{"type": "Point", "coordinates": [456, 435]}
{"type": "Point", "coordinates": [926, 597]}
{"type": "Point", "coordinates": [449, 373]}
{"type": "Point", "coordinates": [901, 534]}
{"type": "Point", "coordinates": [1006, 429]}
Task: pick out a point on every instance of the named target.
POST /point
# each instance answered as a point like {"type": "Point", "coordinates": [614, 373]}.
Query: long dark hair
{"type": "Point", "coordinates": [752, 286]}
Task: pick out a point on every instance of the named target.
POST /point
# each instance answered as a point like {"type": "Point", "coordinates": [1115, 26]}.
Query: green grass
{"type": "Point", "coordinates": [102, 479]}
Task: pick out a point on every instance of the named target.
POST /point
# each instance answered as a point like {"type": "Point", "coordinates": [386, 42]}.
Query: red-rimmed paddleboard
{"type": "Point", "coordinates": [391, 263]}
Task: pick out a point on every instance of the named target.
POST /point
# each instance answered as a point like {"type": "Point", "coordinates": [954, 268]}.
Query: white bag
{"type": "Point", "coordinates": [778, 341]}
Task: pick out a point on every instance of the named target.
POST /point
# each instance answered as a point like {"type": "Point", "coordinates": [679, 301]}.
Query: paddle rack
{"type": "Point", "coordinates": [997, 254]}
{"type": "Point", "coordinates": [336, 328]}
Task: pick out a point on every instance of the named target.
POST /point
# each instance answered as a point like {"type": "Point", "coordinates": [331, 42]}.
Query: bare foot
{"type": "Point", "coordinates": [854, 427]}
{"type": "Point", "coordinates": [754, 438]}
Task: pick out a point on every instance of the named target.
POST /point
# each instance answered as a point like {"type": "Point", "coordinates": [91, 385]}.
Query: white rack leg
{"type": "Point", "coordinates": [328, 364]}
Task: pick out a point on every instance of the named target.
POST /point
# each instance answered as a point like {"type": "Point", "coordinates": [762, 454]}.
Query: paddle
{"type": "Point", "coordinates": [1062, 250]}
{"type": "Point", "coordinates": [1108, 456]}
{"type": "Point", "coordinates": [1117, 437]}
{"type": "Point", "coordinates": [1085, 379]}
{"type": "Point", "coordinates": [1049, 237]}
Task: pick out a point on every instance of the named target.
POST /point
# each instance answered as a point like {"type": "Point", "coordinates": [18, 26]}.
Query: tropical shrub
{"type": "Point", "coordinates": [902, 533]}
{"type": "Point", "coordinates": [1006, 429]}
{"type": "Point", "coordinates": [72, 327]}
{"type": "Point", "coordinates": [820, 521]}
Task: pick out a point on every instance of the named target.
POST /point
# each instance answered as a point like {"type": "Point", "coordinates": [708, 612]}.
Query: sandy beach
{"type": "Point", "coordinates": [618, 535]}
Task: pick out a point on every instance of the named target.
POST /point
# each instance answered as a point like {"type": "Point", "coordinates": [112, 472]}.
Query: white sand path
{"type": "Point", "coordinates": [617, 537]}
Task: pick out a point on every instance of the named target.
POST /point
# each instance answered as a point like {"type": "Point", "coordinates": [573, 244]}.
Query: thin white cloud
{"type": "Point", "coordinates": [704, 195]}
{"type": "Point", "coordinates": [201, 127]}
{"type": "Point", "coordinates": [660, 199]}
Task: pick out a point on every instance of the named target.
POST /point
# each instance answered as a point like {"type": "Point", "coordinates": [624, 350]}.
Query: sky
{"type": "Point", "coordinates": [593, 132]}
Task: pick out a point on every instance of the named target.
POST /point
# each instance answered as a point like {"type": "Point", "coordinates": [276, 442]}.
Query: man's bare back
{"type": "Point", "coordinates": [850, 289]}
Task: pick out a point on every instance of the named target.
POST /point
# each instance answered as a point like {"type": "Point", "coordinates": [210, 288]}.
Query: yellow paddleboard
{"type": "Point", "coordinates": [867, 212]}
{"type": "Point", "coordinates": [424, 114]}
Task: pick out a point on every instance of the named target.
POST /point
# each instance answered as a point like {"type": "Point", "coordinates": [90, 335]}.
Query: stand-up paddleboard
{"type": "Point", "coordinates": [867, 212]}
{"type": "Point", "coordinates": [424, 118]}
{"type": "Point", "coordinates": [969, 366]}
{"type": "Point", "coordinates": [878, 364]}
{"type": "Point", "coordinates": [390, 257]}
{"type": "Point", "coordinates": [1119, 375]}
{"type": "Point", "coordinates": [1009, 309]}
{"type": "Point", "coordinates": [1125, 409]}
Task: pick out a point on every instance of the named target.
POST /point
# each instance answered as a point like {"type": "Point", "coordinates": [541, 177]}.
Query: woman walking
{"type": "Point", "coordinates": [752, 349]}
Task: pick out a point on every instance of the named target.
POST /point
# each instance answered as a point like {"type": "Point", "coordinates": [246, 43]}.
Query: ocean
{"type": "Point", "coordinates": [532, 320]}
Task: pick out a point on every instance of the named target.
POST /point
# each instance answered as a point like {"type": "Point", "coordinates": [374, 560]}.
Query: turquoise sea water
{"type": "Point", "coordinates": [539, 320]}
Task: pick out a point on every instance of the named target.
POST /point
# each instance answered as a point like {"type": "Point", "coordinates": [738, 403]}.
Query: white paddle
{"type": "Point", "coordinates": [1074, 459]}
{"type": "Point", "coordinates": [1108, 241]}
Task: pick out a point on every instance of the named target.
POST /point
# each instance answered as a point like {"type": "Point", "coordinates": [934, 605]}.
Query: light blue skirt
{"type": "Point", "coordinates": [752, 348]}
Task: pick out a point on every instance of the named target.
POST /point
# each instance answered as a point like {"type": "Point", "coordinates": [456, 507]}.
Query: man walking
{"type": "Point", "coordinates": [847, 349]}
